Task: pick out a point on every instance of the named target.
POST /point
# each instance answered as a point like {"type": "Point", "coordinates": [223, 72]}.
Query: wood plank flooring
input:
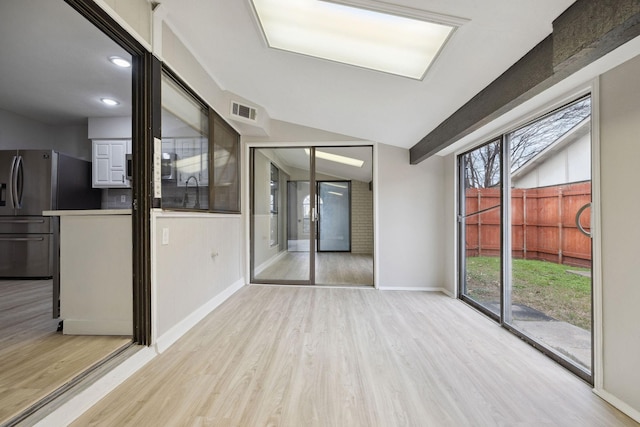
{"type": "Point", "coordinates": [303, 356]}
{"type": "Point", "coordinates": [332, 268]}
{"type": "Point", "coordinates": [35, 359]}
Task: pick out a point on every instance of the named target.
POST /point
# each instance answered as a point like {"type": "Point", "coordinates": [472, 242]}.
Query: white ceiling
{"type": "Point", "coordinates": [352, 101]}
{"type": "Point", "coordinates": [55, 66]}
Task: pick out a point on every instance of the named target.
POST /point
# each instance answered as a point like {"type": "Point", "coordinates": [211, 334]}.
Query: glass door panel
{"type": "Point", "coordinates": [480, 227]}
{"type": "Point", "coordinates": [334, 222]}
{"type": "Point", "coordinates": [282, 216]}
{"type": "Point", "coordinates": [287, 215]}
{"type": "Point", "coordinates": [550, 274]}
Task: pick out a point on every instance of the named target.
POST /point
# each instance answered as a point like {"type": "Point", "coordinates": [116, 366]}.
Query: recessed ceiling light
{"type": "Point", "coordinates": [336, 158]}
{"type": "Point", "coordinates": [110, 102]}
{"type": "Point", "coordinates": [392, 39]}
{"type": "Point", "coordinates": [120, 62]}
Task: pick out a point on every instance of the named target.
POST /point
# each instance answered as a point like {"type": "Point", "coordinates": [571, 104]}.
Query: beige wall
{"type": "Point", "coordinates": [620, 204]}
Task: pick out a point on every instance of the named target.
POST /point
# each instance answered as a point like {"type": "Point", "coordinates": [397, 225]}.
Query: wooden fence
{"type": "Point", "coordinates": [542, 224]}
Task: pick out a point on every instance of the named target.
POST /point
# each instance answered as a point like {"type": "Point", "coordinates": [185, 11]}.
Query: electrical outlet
{"type": "Point", "coordinates": [123, 199]}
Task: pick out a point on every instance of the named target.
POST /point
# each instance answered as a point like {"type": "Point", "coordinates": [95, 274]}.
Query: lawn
{"type": "Point", "coordinates": [544, 286]}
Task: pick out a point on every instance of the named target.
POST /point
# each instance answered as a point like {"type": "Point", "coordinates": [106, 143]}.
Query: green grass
{"type": "Point", "coordinates": [544, 286]}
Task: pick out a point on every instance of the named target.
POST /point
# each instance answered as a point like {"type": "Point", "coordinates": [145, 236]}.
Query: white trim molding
{"type": "Point", "coordinates": [172, 335]}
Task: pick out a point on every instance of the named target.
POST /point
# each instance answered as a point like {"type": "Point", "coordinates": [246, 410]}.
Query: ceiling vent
{"type": "Point", "coordinates": [243, 112]}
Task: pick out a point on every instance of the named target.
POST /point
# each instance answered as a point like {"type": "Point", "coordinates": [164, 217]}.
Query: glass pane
{"type": "Point", "coordinates": [283, 257]}
{"type": "Point", "coordinates": [345, 225]}
{"type": "Point", "coordinates": [334, 223]}
{"type": "Point", "coordinates": [226, 177]}
{"type": "Point", "coordinates": [550, 298]}
{"type": "Point", "coordinates": [185, 149]}
{"type": "Point", "coordinates": [481, 226]}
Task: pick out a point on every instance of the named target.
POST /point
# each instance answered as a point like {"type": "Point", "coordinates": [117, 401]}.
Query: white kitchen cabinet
{"type": "Point", "coordinates": [110, 163]}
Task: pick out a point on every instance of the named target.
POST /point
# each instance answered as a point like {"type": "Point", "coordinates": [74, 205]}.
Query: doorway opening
{"type": "Point", "coordinates": [58, 75]}
{"type": "Point", "coordinates": [525, 251]}
{"type": "Point", "coordinates": [312, 215]}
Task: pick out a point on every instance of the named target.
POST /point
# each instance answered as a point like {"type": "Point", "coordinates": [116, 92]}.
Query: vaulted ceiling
{"type": "Point", "coordinates": [352, 101]}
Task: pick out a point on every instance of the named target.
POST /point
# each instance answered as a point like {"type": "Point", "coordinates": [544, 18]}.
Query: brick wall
{"type": "Point", "coordinates": [361, 218]}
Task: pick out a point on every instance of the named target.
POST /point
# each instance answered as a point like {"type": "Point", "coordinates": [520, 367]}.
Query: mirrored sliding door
{"type": "Point", "coordinates": [312, 216]}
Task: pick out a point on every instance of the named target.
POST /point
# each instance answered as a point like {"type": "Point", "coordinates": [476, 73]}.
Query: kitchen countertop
{"type": "Point", "coordinates": [88, 212]}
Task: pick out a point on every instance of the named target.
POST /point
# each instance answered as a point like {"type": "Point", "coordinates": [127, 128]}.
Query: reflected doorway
{"type": "Point", "coordinates": [312, 216]}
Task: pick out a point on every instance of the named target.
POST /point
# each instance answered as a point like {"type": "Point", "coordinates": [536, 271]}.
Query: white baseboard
{"type": "Point", "coordinates": [97, 327]}
{"type": "Point", "coordinates": [78, 405]}
{"type": "Point", "coordinates": [259, 269]}
{"type": "Point", "coordinates": [413, 288]}
{"type": "Point", "coordinates": [172, 335]}
{"type": "Point", "coordinates": [621, 405]}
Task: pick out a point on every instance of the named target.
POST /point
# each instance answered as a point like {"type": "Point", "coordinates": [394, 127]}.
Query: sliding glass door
{"type": "Point", "coordinates": [480, 227]}
{"type": "Point", "coordinates": [525, 235]}
{"type": "Point", "coordinates": [312, 216]}
{"type": "Point", "coordinates": [282, 216]}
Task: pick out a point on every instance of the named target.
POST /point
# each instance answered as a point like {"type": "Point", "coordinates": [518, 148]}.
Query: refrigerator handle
{"type": "Point", "coordinates": [18, 185]}
{"type": "Point", "coordinates": [3, 194]}
{"type": "Point", "coordinates": [12, 176]}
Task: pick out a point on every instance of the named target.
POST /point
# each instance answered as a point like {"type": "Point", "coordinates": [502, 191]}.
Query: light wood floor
{"type": "Point", "coordinates": [35, 359]}
{"type": "Point", "coordinates": [303, 356]}
{"type": "Point", "coordinates": [332, 268]}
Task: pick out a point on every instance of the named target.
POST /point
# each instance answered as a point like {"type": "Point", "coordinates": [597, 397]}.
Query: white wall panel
{"type": "Point", "coordinates": [620, 151]}
{"type": "Point", "coordinates": [411, 249]}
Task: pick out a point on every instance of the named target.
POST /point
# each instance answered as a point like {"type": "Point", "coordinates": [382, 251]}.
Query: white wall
{"type": "Point", "coordinates": [620, 204]}
{"type": "Point", "coordinates": [188, 273]}
{"type": "Point", "coordinates": [410, 221]}
{"type": "Point", "coordinates": [570, 164]}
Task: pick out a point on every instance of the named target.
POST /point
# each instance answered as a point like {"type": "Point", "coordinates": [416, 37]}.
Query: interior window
{"type": "Point", "coordinates": [185, 148]}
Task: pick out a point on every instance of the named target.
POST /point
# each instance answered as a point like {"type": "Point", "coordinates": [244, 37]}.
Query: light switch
{"type": "Point", "coordinates": [165, 236]}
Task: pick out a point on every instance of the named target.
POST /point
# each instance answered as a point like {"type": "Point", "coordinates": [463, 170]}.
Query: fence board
{"type": "Point", "coordinates": [543, 223]}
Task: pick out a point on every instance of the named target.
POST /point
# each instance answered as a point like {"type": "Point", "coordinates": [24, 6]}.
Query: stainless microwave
{"type": "Point", "coordinates": [168, 166]}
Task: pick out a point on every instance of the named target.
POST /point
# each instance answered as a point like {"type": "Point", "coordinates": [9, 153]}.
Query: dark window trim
{"type": "Point", "coordinates": [144, 129]}
{"type": "Point", "coordinates": [215, 121]}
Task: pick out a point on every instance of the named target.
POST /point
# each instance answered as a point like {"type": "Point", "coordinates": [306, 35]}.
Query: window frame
{"type": "Point", "coordinates": [215, 122]}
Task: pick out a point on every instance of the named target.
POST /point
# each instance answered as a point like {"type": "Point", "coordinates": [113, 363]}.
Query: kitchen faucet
{"type": "Point", "coordinates": [185, 198]}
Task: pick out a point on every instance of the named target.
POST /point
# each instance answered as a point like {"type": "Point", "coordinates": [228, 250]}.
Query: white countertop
{"type": "Point", "coordinates": [88, 212]}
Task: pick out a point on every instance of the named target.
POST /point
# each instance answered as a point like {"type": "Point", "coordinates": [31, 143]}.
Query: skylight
{"type": "Point", "coordinates": [393, 42]}
{"type": "Point", "coordinates": [336, 158]}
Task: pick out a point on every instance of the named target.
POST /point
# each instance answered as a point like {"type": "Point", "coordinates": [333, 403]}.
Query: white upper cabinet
{"type": "Point", "coordinates": [110, 163]}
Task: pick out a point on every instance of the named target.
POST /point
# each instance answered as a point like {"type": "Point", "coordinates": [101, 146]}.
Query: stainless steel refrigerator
{"type": "Point", "coordinates": [33, 181]}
